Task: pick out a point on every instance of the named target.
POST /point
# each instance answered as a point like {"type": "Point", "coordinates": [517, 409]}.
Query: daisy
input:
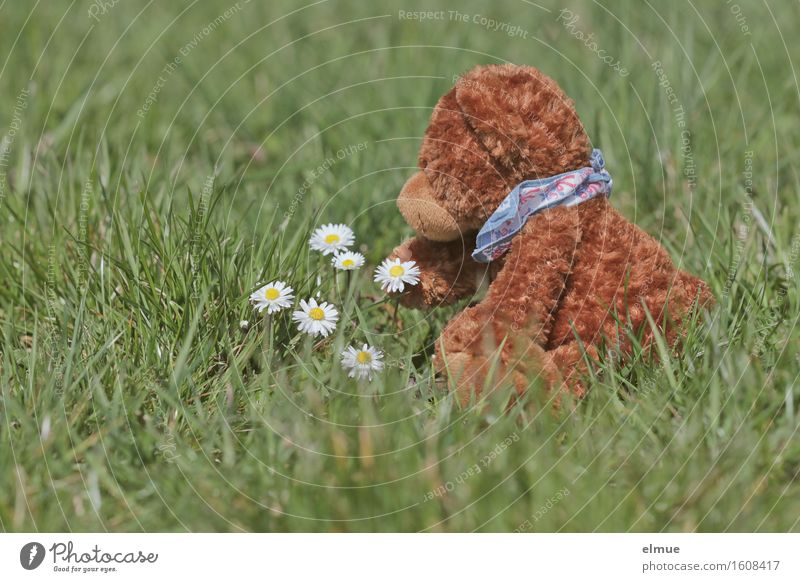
{"type": "Point", "coordinates": [393, 274]}
{"type": "Point", "coordinates": [362, 363]}
{"type": "Point", "coordinates": [273, 297]}
{"type": "Point", "coordinates": [332, 238]}
{"type": "Point", "coordinates": [316, 319]}
{"type": "Point", "coordinates": [348, 261]}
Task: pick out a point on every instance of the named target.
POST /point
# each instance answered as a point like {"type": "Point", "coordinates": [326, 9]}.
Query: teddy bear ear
{"type": "Point", "coordinates": [523, 119]}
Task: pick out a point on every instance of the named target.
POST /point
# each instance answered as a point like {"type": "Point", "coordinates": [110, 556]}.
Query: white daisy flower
{"type": "Point", "coordinates": [332, 238]}
{"type": "Point", "coordinates": [394, 274]}
{"type": "Point", "coordinates": [348, 261]}
{"type": "Point", "coordinates": [316, 319]}
{"type": "Point", "coordinates": [273, 297]}
{"type": "Point", "coordinates": [362, 363]}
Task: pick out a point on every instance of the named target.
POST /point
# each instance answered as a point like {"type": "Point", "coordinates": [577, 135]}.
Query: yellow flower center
{"type": "Point", "coordinates": [316, 314]}
{"type": "Point", "coordinates": [363, 357]}
{"type": "Point", "coordinates": [348, 263]}
{"type": "Point", "coordinates": [397, 271]}
{"type": "Point", "coordinates": [332, 239]}
{"type": "Point", "coordinates": [272, 294]}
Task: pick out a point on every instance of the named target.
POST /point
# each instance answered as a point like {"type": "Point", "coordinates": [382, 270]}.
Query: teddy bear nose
{"type": "Point", "coordinates": [423, 213]}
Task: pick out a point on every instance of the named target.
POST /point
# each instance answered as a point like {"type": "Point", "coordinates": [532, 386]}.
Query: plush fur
{"type": "Point", "coordinates": [572, 277]}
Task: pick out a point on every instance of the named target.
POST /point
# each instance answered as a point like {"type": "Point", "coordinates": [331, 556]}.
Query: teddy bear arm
{"type": "Point", "coordinates": [447, 271]}
{"type": "Point", "coordinates": [517, 313]}
{"type": "Point", "coordinates": [672, 308]}
{"type": "Point", "coordinates": [527, 290]}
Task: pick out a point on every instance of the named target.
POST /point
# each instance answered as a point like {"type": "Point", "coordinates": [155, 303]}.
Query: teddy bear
{"type": "Point", "coordinates": [511, 194]}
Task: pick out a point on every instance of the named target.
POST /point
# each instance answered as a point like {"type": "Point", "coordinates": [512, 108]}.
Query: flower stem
{"type": "Point", "coordinates": [349, 288]}
{"type": "Point", "coordinates": [396, 311]}
{"type": "Point", "coordinates": [268, 341]}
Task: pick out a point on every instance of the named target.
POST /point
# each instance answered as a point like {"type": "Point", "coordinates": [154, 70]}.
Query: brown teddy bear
{"type": "Point", "coordinates": [505, 154]}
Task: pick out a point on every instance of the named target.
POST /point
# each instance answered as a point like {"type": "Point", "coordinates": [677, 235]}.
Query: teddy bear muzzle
{"type": "Point", "coordinates": [423, 213]}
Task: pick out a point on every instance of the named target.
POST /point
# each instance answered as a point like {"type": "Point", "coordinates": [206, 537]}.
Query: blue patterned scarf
{"type": "Point", "coordinates": [532, 196]}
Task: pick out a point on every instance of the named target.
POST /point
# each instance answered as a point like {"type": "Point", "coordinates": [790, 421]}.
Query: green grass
{"type": "Point", "coordinates": [131, 398]}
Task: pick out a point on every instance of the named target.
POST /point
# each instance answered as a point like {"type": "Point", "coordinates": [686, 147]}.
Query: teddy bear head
{"type": "Point", "coordinates": [499, 125]}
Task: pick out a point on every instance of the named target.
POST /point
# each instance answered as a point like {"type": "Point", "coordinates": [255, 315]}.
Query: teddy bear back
{"type": "Point", "coordinates": [499, 125]}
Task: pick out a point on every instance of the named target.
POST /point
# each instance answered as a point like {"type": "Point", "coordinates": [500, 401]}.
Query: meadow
{"type": "Point", "coordinates": [162, 160]}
